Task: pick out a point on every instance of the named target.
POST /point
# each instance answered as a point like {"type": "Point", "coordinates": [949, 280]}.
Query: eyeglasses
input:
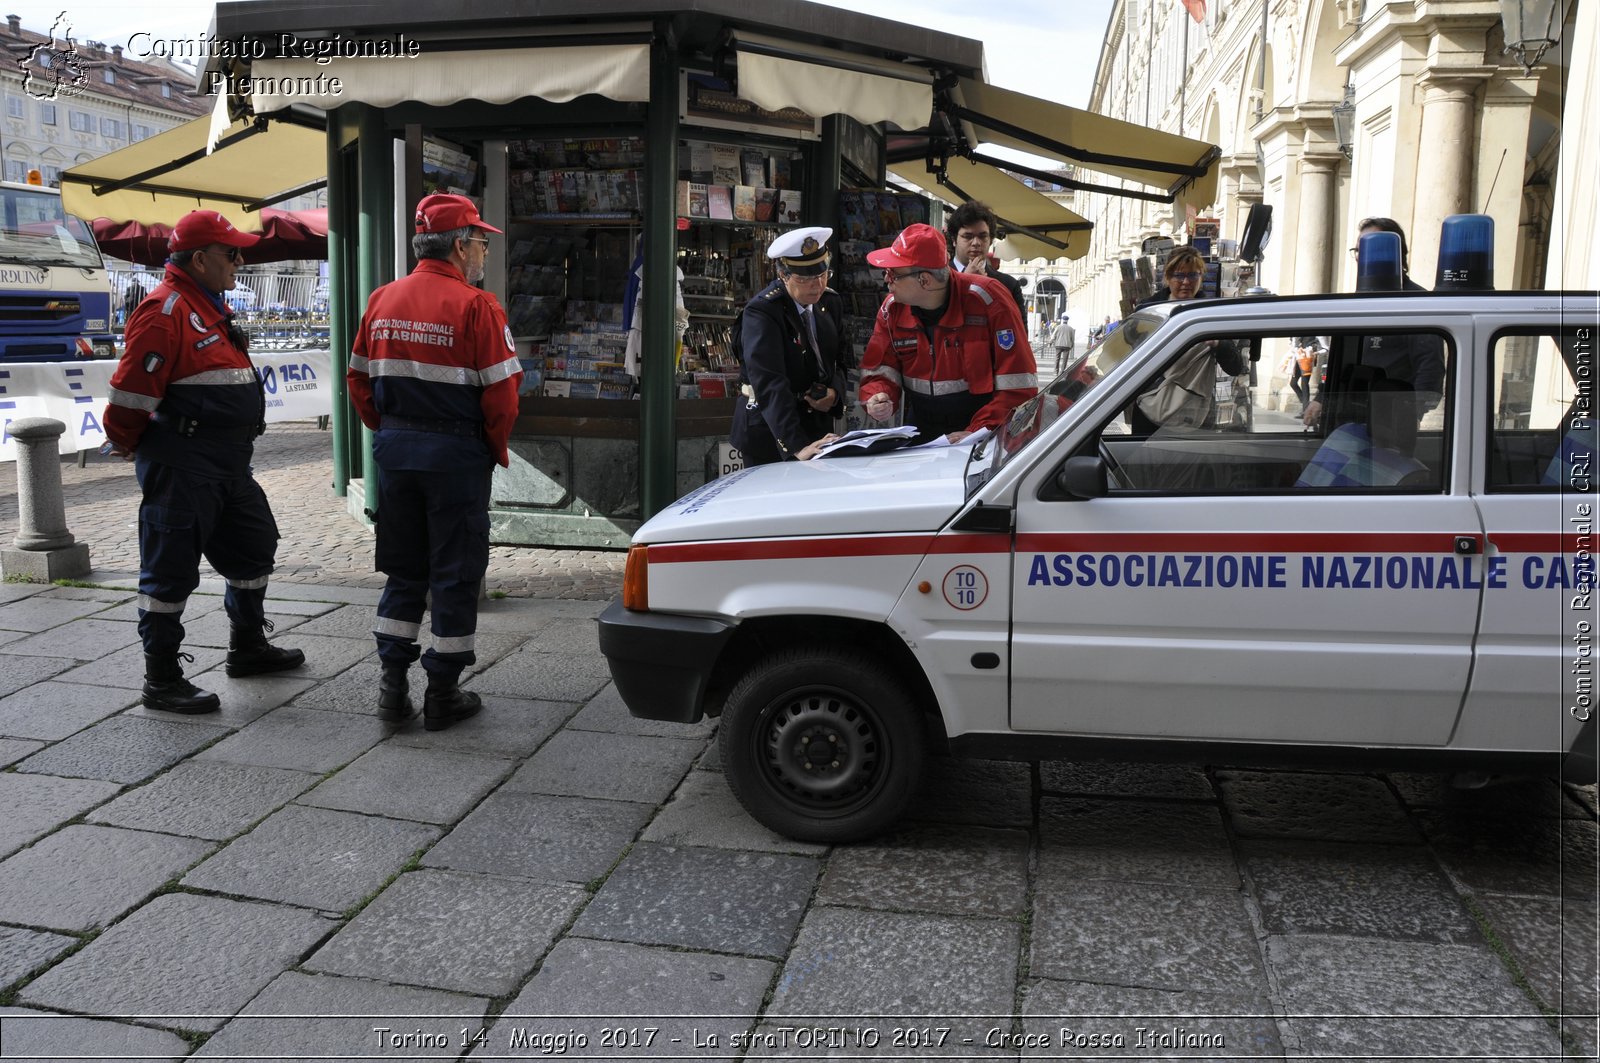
{"type": "Point", "coordinates": [890, 276]}
{"type": "Point", "coordinates": [477, 240]}
{"type": "Point", "coordinates": [1185, 276]}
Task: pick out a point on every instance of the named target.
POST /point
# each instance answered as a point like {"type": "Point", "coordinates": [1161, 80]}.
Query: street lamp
{"type": "Point", "coordinates": [1531, 27]}
{"type": "Point", "coordinates": [1344, 121]}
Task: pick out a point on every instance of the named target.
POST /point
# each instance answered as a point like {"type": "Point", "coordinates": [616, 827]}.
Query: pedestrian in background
{"type": "Point", "coordinates": [1064, 340]}
{"type": "Point", "coordinates": [434, 374]}
{"type": "Point", "coordinates": [186, 405]}
{"type": "Point", "coordinates": [793, 353]}
{"type": "Point", "coordinates": [972, 229]}
{"type": "Point", "coordinates": [950, 345]}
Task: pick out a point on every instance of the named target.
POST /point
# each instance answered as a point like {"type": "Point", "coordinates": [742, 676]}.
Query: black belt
{"type": "Point", "coordinates": [468, 429]}
{"type": "Point", "coordinates": [190, 428]}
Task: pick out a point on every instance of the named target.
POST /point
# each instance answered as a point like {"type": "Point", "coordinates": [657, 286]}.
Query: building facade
{"type": "Point", "coordinates": [66, 101]}
{"type": "Point", "coordinates": [1332, 111]}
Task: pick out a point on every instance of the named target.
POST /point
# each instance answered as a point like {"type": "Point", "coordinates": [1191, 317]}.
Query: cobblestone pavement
{"type": "Point", "coordinates": [321, 542]}
{"type": "Point", "coordinates": [288, 878]}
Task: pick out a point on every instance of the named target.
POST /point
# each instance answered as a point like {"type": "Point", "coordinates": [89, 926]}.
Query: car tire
{"type": "Point", "coordinates": [786, 705]}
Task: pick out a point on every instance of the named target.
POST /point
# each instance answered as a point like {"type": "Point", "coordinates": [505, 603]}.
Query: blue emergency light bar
{"type": "Point", "coordinates": [1466, 254]}
{"type": "Point", "coordinates": [1378, 265]}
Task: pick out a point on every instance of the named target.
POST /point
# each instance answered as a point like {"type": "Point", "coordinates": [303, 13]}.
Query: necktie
{"type": "Point", "coordinates": [810, 319]}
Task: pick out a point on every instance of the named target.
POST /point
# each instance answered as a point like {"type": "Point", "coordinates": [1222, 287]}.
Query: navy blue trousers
{"type": "Point", "coordinates": [185, 517]}
{"type": "Point", "coordinates": [433, 538]}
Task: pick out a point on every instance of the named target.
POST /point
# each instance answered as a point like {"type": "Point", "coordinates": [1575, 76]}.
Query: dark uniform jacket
{"type": "Point", "coordinates": [185, 393]}
{"type": "Point", "coordinates": [778, 362]}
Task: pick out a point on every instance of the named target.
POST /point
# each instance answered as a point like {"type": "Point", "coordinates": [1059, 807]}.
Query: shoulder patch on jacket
{"type": "Point", "coordinates": [981, 293]}
{"type": "Point", "coordinates": [171, 301]}
{"type": "Point", "coordinates": [1005, 338]}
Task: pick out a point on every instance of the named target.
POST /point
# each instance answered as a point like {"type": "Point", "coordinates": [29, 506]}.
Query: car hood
{"type": "Point", "coordinates": [900, 491]}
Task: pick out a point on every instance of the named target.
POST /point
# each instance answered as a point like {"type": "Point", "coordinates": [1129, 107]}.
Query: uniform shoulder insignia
{"type": "Point", "coordinates": [981, 293]}
{"type": "Point", "coordinates": [773, 294]}
{"type": "Point", "coordinates": [171, 301]}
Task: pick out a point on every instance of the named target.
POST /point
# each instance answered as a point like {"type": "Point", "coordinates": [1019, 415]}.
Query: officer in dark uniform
{"type": "Point", "coordinates": [434, 374]}
{"type": "Point", "coordinates": [187, 405]}
{"type": "Point", "coordinates": [793, 353]}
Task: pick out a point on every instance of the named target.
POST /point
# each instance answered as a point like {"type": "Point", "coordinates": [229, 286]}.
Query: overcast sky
{"type": "Point", "coordinates": [1046, 48]}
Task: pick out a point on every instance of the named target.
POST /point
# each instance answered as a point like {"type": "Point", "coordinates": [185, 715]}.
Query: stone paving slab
{"type": "Point", "coordinates": [11, 636]}
{"type": "Point", "coordinates": [316, 857]}
{"type": "Point", "coordinates": [703, 899]}
{"type": "Point", "coordinates": [405, 782]}
{"type": "Point", "coordinates": [45, 1036]}
{"type": "Point", "coordinates": [108, 595]}
{"type": "Point", "coordinates": [976, 871]}
{"type": "Point", "coordinates": [214, 629]}
{"type": "Point", "coordinates": [15, 592]}
{"type": "Point", "coordinates": [22, 950]}
{"type": "Point", "coordinates": [14, 749]}
{"type": "Point", "coordinates": [655, 995]}
{"type": "Point", "coordinates": [477, 934]}
{"type": "Point", "coordinates": [39, 613]}
{"type": "Point", "coordinates": [325, 655]}
{"type": "Point", "coordinates": [1516, 853]}
{"type": "Point", "coordinates": [81, 640]}
{"type": "Point", "coordinates": [1507, 796]}
{"type": "Point", "coordinates": [208, 800]}
{"type": "Point", "coordinates": [181, 961]}
{"type": "Point", "coordinates": [544, 676]}
{"type": "Point", "coordinates": [82, 877]}
{"type": "Point", "coordinates": [23, 672]}
{"type": "Point", "coordinates": [37, 804]}
{"type": "Point", "coordinates": [1071, 1019]}
{"type": "Point", "coordinates": [988, 793]}
{"type": "Point", "coordinates": [1412, 994]}
{"type": "Point", "coordinates": [125, 667]}
{"type": "Point", "coordinates": [340, 621]}
{"type": "Point", "coordinates": [243, 700]}
{"type": "Point", "coordinates": [1151, 936]}
{"type": "Point", "coordinates": [925, 971]}
{"type": "Point", "coordinates": [703, 812]}
{"type": "Point", "coordinates": [1394, 892]}
{"type": "Point", "coordinates": [550, 839]}
{"type": "Point", "coordinates": [606, 712]}
{"type": "Point", "coordinates": [1174, 843]}
{"type": "Point", "coordinates": [610, 766]}
{"type": "Point", "coordinates": [300, 739]}
{"type": "Point", "coordinates": [1554, 943]}
{"type": "Point", "coordinates": [506, 727]}
{"type": "Point", "coordinates": [1335, 808]}
{"type": "Point", "coordinates": [276, 1023]}
{"type": "Point", "coordinates": [51, 711]}
{"type": "Point", "coordinates": [1177, 782]}
{"type": "Point", "coordinates": [122, 749]}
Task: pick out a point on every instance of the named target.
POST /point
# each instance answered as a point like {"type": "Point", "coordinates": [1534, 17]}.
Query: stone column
{"type": "Point", "coordinates": [44, 548]}
{"type": "Point", "coordinates": [1314, 243]}
{"type": "Point", "coordinates": [1445, 164]}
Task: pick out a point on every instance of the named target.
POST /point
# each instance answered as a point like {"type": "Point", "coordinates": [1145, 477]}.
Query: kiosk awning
{"type": "Point", "coordinates": [161, 179]}
{"type": "Point", "coordinates": [558, 73]}
{"type": "Point", "coordinates": [1036, 226]}
{"type": "Point", "coordinates": [775, 74]}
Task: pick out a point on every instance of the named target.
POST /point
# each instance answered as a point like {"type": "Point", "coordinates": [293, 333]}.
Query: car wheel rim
{"type": "Point", "coordinates": [822, 752]}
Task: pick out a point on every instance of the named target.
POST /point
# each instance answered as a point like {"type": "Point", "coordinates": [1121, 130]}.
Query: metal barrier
{"type": "Point", "coordinates": [279, 311]}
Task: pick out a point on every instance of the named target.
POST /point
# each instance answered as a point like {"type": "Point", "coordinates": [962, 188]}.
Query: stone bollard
{"type": "Point", "coordinates": [44, 549]}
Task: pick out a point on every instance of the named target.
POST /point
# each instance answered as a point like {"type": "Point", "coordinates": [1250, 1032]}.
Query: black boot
{"type": "Point", "coordinates": [394, 695]}
{"type": "Point", "coordinates": [446, 703]}
{"type": "Point", "coordinates": [249, 653]}
{"type": "Point", "coordinates": [167, 690]}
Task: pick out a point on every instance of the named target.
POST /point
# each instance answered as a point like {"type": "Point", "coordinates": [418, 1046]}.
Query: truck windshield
{"type": "Point", "coordinates": [36, 231]}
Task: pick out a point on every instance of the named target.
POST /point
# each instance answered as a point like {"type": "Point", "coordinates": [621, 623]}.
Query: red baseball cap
{"type": "Point", "coordinates": [442, 211]}
{"type": "Point", "coordinates": [917, 245]}
{"type": "Point", "coordinates": [202, 228]}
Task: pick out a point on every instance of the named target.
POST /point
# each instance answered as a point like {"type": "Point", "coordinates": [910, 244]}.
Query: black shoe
{"type": "Point", "coordinates": [249, 653]}
{"type": "Point", "coordinates": [166, 689]}
{"type": "Point", "coordinates": [394, 696]}
{"type": "Point", "coordinates": [446, 704]}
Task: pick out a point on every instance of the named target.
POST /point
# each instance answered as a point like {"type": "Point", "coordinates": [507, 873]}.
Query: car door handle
{"type": "Point", "coordinates": [1467, 544]}
{"type": "Point", "coordinates": [986, 660]}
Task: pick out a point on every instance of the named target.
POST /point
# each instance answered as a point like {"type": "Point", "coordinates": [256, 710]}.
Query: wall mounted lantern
{"type": "Point", "coordinates": [1531, 27]}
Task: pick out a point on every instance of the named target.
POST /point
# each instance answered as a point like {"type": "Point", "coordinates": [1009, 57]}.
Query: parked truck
{"type": "Point", "coordinates": [55, 291]}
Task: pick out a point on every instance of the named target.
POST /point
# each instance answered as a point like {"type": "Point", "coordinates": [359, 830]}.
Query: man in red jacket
{"type": "Point", "coordinates": [434, 374]}
{"type": "Point", "coordinates": [950, 345]}
{"type": "Point", "coordinates": [186, 405]}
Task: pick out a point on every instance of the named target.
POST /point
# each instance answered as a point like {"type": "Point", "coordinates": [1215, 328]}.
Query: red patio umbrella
{"type": "Point", "coordinates": [285, 234]}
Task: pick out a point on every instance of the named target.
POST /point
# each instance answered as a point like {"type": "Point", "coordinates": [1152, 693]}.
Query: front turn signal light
{"type": "Point", "coordinates": [636, 579]}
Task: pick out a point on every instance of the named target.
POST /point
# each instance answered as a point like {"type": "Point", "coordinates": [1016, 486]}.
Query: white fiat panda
{"type": "Point", "coordinates": [1401, 573]}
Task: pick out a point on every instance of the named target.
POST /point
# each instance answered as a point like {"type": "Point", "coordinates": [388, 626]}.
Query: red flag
{"type": "Point", "coordinates": [1196, 9]}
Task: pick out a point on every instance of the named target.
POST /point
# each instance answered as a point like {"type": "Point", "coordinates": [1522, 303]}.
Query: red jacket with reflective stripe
{"type": "Point", "coordinates": [432, 347]}
{"type": "Point", "coordinates": [979, 346]}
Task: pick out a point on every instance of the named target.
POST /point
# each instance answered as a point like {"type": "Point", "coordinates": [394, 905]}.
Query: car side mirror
{"type": "Point", "coordinates": [1082, 477]}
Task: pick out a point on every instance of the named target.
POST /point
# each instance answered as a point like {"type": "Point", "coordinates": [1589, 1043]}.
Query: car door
{"type": "Point", "coordinates": [1244, 581]}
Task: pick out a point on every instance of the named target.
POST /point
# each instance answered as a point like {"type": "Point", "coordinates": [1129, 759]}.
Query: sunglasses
{"type": "Point", "coordinates": [232, 254]}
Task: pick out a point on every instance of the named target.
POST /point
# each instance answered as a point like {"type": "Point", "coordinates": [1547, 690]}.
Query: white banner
{"type": "Point", "coordinates": [296, 382]}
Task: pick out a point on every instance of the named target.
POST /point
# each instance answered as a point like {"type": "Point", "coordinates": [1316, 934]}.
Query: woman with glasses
{"type": "Point", "coordinates": [1184, 396]}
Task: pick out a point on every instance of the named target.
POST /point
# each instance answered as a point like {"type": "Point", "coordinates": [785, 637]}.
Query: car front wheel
{"type": "Point", "coordinates": [821, 745]}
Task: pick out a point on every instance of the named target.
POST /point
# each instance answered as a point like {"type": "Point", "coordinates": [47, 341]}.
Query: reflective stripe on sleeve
{"type": "Point", "coordinates": [132, 400]}
{"type": "Point", "coordinates": [882, 372]}
{"type": "Point", "coordinates": [978, 290]}
{"type": "Point", "coordinates": [220, 377]}
{"type": "Point", "coordinates": [947, 387]}
{"type": "Point", "coordinates": [436, 374]}
{"type": "Point", "coordinates": [454, 643]}
{"type": "Point", "coordinates": [400, 629]}
{"type": "Point", "coordinates": [358, 362]}
{"type": "Point", "coordinates": [1007, 381]}
{"type": "Point", "coordinates": [248, 584]}
{"type": "Point", "coordinates": [500, 371]}
{"type": "Point", "coordinates": [155, 605]}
